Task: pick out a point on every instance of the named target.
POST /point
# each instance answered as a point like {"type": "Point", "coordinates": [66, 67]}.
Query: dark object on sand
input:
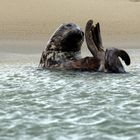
{"type": "Point", "coordinates": [135, 0]}
{"type": "Point", "coordinates": [63, 51]}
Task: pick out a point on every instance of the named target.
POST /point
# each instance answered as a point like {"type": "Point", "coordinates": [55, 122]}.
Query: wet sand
{"type": "Point", "coordinates": [25, 27]}
{"type": "Point", "coordinates": [38, 19]}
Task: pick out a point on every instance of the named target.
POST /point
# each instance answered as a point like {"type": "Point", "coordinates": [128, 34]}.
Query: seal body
{"type": "Point", "coordinates": [63, 51]}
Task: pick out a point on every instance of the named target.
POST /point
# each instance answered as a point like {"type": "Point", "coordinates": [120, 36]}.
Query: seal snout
{"type": "Point", "coordinates": [75, 35]}
{"type": "Point", "coordinates": [73, 30]}
{"type": "Point", "coordinates": [80, 33]}
{"type": "Point", "coordinates": [73, 40]}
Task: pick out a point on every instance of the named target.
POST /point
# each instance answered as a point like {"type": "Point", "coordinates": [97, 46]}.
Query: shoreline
{"type": "Point", "coordinates": [24, 51]}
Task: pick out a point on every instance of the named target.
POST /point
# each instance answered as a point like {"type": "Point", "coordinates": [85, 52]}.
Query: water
{"type": "Point", "coordinates": [66, 105]}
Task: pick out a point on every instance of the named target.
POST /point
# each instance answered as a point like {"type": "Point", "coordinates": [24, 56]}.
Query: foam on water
{"type": "Point", "coordinates": [66, 105]}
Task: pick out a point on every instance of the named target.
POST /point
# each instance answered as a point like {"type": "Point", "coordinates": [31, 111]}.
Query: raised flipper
{"type": "Point", "coordinates": [89, 39]}
{"type": "Point", "coordinates": [112, 61]}
{"type": "Point", "coordinates": [94, 42]}
{"type": "Point", "coordinates": [96, 35]}
{"type": "Point", "coordinates": [93, 38]}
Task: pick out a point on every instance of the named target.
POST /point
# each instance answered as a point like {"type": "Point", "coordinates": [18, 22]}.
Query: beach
{"type": "Point", "coordinates": [25, 27]}
{"type": "Point", "coordinates": [37, 20]}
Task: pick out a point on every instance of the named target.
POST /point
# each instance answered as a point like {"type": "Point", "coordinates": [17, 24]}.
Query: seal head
{"type": "Point", "coordinates": [68, 37]}
{"type": "Point", "coordinates": [64, 45]}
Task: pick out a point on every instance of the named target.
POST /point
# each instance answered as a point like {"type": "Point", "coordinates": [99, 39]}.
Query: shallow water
{"type": "Point", "coordinates": [66, 105]}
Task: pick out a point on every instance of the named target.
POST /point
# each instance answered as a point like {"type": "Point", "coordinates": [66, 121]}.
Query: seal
{"type": "Point", "coordinates": [63, 50]}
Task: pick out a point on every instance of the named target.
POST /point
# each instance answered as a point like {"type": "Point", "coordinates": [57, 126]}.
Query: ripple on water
{"type": "Point", "coordinates": [38, 104]}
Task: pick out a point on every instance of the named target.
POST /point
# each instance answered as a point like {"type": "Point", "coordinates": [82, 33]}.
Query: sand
{"type": "Point", "coordinates": [25, 26]}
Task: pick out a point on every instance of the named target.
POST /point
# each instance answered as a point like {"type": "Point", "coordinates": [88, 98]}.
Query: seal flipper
{"type": "Point", "coordinates": [89, 39]}
{"type": "Point", "coordinates": [96, 35]}
{"type": "Point", "coordinates": [94, 43]}
{"type": "Point", "coordinates": [125, 57]}
{"type": "Point", "coordinates": [112, 61]}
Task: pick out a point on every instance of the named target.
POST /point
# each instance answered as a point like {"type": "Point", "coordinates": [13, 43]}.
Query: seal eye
{"type": "Point", "coordinates": [69, 25]}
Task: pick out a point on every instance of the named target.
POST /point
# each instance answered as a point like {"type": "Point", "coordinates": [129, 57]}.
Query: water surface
{"type": "Point", "coordinates": [65, 105]}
